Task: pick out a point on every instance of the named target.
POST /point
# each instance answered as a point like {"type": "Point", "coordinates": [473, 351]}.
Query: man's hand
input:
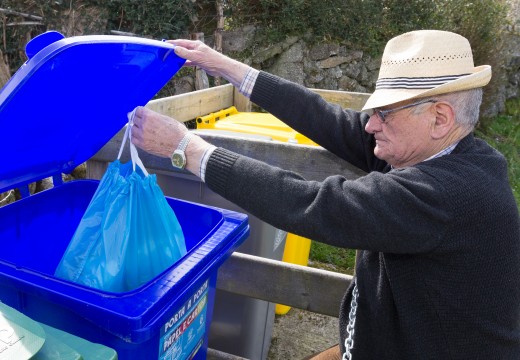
{"type": "Point", "coordinates": [155, 133]}
{"type": "Point", "coordinates": [214, 63]}
{"type": "Point", "coordinates": [160, 135]}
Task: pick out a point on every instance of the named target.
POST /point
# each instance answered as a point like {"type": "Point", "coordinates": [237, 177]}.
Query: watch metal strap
{"type": "Point", "coordinates": [184, 142]}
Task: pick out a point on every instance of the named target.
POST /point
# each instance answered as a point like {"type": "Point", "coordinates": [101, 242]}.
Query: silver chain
{"type": "Point", "coordinates": [349, 341]}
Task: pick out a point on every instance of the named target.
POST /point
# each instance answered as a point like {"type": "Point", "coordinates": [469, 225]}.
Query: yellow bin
{"type": "Point", "coordinates": [296, 251]}
{"type": "Point", "coordinates": [266, 126]}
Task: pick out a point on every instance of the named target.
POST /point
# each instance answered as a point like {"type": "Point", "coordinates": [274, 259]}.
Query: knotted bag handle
{"type": "Point", "coordinates": [133, 150]}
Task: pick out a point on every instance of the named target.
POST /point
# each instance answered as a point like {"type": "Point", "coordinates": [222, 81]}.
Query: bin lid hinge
{"type": "Point", "coordinates": [57, 180]}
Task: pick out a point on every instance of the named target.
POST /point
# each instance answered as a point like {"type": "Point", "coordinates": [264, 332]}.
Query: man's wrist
{"type": "Point", "coordinates": [197, 155]}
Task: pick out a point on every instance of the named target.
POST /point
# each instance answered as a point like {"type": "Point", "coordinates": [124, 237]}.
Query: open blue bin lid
{"type": "Point", "coordinates": [71, 97]}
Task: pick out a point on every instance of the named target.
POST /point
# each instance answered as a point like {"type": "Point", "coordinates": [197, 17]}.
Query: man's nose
{"type": "Point", "coordinates": [373, 125]}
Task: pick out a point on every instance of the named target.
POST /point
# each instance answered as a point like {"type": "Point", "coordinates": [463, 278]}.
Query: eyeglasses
{"type": "Point", "coordinates": [381, 114]}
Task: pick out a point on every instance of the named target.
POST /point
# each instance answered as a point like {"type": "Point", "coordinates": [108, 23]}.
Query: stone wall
{"type": "Point", "coordinates": [322, 66]}
{"type": "Point", "coordinates": [509, 86]}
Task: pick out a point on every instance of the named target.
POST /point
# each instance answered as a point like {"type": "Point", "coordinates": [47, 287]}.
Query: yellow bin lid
{"type": "Point", "coordinates": [265, 125]}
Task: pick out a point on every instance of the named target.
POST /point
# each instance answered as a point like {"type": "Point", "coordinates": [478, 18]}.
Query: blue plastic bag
{"type": "Point", "coordinates": [128, 234]}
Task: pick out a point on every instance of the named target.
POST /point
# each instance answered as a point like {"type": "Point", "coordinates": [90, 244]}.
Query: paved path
{"type": "Point", "coordinates": [301, 333]}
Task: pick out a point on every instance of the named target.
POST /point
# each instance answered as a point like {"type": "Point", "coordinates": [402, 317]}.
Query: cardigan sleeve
{"type": "Point", "coordinates": [341, 131]}
{"type": "Point", "coordinates": [403, 211]}
{"type": "Point", "coordinates": [400, 211]}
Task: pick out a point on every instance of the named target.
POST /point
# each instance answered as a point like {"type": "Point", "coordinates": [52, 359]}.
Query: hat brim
{"type": "Point", "coordinates": [478, 78]}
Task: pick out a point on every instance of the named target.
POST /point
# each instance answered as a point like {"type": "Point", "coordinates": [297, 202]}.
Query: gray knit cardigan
{"type": "Point", "coordinates": [439, 268]}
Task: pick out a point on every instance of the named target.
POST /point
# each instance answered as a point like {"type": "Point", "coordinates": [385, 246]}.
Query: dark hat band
{"type": "Point", "coordinates": [415, 82]}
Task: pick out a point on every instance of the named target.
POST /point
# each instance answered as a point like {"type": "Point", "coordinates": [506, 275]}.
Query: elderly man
{"type": "Point", "coordinates": [438, 274]}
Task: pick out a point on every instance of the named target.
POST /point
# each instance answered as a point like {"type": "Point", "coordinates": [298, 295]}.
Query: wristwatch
{"type": "Point", "coordinates": [179, 156]}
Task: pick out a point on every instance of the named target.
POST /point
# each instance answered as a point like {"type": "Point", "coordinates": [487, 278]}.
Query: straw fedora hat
{"type": "Point", "coordinates": [425, 63]}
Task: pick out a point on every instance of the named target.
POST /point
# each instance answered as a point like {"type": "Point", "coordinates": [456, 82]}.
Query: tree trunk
{"type": "Point", "coordinates": [218, 31]}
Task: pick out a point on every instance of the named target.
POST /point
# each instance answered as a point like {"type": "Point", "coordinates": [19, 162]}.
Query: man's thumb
{"type": "Point", "coordinates": [180, 51]}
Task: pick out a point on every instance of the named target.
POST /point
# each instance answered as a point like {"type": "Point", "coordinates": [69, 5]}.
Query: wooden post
{"type": "Point", "coordinates": [4, 34]}
{"type": "Point", "coordinates": [241, 102]}
{"type": "Point", "coordinates": [5, 73]}
{"type": "Point", "coordinates": [201, 78]}
{"type": "Point", "coordinates": [218, 31]}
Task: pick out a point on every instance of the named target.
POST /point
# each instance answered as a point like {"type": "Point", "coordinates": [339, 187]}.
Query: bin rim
{"type": "Point", "coordinates": [134, 314]}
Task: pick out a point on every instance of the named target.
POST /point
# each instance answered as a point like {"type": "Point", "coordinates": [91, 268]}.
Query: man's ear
{"type": "Point", "coordinates": [444, 120]}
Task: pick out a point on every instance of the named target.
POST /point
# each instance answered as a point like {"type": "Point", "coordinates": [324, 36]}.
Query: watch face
{"type": "Point", "coordinates": [178, 160]}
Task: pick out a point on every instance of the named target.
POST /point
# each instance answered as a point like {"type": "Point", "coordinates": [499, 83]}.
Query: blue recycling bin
{"type": "Point", "coordinates": [61, 107]}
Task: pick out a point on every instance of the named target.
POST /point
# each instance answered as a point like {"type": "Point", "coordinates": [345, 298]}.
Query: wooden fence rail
{"type": "Point", "coordinates": [284, 283]}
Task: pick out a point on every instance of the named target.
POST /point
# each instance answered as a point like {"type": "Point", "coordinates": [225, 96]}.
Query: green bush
{"type": "Point", "coordinates": [503, 133]}
{"type": "Point", "coordinates": [365, 24]}
{"type": "Point", "coordinates": [157, 19]}
{"type": "Point", "coordinates": [323, 19]}
{"type": "Point", "coordinates": [369, 24]}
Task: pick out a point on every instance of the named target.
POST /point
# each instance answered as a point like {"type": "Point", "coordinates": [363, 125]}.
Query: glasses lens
{"type": "Point", "coordinates": [377, 113]}
{"type": "Point", "coordinates": [380, 115]}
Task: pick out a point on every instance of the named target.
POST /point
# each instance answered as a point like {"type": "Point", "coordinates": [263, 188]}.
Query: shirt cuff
{"type": "Point", "coordinates": [204, 161]}
{"type": "Point", "coordinates": [248, 83]}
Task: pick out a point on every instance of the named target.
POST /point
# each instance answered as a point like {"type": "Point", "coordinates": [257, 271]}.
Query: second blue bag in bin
{"type": "Point", "coordinates": [128, 234]}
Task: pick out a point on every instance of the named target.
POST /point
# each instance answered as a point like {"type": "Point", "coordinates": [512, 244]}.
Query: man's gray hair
{"type": "Point", "coordinates": [466, 105]}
